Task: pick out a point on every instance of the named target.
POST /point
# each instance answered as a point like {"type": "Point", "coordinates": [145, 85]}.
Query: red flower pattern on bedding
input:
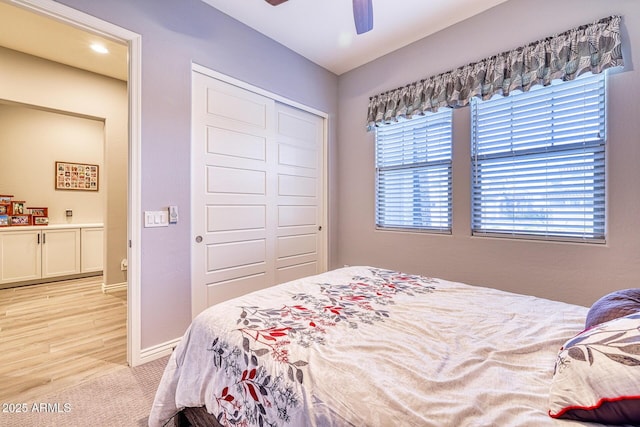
{"type": "Point", "coordinates": [252, 396]}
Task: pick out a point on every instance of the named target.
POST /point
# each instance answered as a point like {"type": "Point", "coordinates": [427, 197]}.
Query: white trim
{"type": "Point", "coordinates": [325, 173]}
{"type": "Point", "coordinates": [95, 25]}
{"type": "Point", "coordinates": [113, 287]}
{"type": "Point", "coordinates": [134, 227]}
{"type": "Point", "coordinates": [152, 353]}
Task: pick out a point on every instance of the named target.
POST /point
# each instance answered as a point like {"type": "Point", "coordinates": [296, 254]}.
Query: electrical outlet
{"type": "Point", "coordinates": [124, 264]}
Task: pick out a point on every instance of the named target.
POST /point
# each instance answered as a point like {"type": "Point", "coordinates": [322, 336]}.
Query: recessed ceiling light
{"type": "Point", "coordinates": [100, 48]}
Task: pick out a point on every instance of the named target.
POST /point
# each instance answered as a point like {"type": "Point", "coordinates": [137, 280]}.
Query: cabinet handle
{"type": "Point", "coordinates": [38, 238]}
{"type": "Point", "coordinates": [44, 238]}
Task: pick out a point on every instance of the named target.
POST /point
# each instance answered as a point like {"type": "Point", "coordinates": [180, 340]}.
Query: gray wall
{"type": "Point", "coordinates": [578, 273]}
{"type": "Point", "coordinates": [175, 33]}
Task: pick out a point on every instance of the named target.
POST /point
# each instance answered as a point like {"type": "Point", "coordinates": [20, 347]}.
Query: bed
{"type": "Point", "coordinates": [364, 346]}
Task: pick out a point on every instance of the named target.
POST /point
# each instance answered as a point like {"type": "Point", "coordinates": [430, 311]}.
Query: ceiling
{"type": "Point", "coordinates": [323, 31]}
{"type": "Point", "coordinates": [31, 33]}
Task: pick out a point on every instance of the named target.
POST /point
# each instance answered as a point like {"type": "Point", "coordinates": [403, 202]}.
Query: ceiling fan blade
{"type": "Point", "coordinates": [275, 2]}
{"type": "Point", "coordinates": [363, 15]}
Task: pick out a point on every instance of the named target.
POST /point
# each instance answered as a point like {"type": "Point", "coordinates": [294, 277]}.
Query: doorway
{"type": "Point", "coordinates": [60, 14]}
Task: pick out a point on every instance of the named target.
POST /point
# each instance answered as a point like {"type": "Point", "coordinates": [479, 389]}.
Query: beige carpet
{"type": "Point", "coordinates": [121, 398]}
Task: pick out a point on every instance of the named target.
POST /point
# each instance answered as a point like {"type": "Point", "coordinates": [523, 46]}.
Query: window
{"type": "Point", "coordinates": [413, 173]}
{"type": "Point", "coordinates": [538, 161]}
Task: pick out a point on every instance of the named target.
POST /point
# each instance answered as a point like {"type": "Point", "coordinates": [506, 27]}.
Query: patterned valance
{"type": "Point", "coordinates": [593, 47]}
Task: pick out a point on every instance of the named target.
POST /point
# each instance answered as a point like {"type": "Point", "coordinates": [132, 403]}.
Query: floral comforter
{"type": "Point", "coordinates": [363, 346]}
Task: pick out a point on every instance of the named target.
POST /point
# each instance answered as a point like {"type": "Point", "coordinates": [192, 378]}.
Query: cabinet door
{"type": "Point", "coordinates": [19, 256]}
{"type": "Point", "coordinates": [92, 253]}
{"type": "Point", "coordinates": [60, 252]}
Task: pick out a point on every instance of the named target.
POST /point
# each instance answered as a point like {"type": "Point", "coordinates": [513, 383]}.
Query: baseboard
{"type": "Point", "coordinates": [50, 280]}
{"type": "Point", "coordinates": [150, 354]}
{"type": "Point", "coordinates": [114, 287]}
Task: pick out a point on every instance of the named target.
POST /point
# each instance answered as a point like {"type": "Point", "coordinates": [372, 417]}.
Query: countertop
{"type": "Point", "coordinates": [50, 227]}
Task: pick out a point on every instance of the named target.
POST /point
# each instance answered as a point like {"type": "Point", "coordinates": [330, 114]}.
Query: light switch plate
{"type": "Point", "coordinates": [156, 219]}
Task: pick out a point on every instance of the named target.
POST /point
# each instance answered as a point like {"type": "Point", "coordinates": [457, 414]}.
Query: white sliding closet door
{"type": "Point", "coordinates": [257, 192]}
{"type": "Point", "coordinates": [299, 163]}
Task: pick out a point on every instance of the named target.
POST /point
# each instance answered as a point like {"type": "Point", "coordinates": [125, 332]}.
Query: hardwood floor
{"type": "Point", "coordinates": [58, 334]}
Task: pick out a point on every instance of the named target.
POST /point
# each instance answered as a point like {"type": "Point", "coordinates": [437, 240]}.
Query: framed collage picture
{"type": "Point", "coordinates": [76, 176]}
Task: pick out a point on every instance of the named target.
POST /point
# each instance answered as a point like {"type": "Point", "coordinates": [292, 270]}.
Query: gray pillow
{"type": "Point", "coordinates": [613, 306]}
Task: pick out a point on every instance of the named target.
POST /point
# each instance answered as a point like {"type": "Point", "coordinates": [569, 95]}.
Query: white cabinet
{"type": "Point", "coordinates": [20, 256]}
{"type": "Point", "coordinates": [92, 248]}
{"type": "Point", "coordinates": [31, 254]}
{"type": "Point", "coordinates": [60, 252]}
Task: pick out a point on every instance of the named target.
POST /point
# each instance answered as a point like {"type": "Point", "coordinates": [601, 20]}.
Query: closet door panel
{"type": "Point", "coordinates": [256, 191]}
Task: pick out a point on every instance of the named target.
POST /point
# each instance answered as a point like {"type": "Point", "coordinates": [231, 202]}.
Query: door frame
{"type": "Point", "coordinates": [324, 233]}
{"type": "Point", "coordinates": [86, 22]}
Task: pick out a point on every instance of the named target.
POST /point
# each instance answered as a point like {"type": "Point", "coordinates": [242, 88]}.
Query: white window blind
{"type": "Point", "coordinates": [413, 173]}
{"type": "Point", "coordinates": [538, 161]}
